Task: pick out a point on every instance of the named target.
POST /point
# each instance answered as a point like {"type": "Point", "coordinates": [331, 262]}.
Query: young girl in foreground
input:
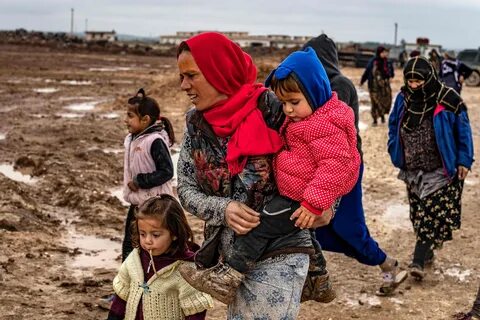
{"type": "Point", "coordinates": [148, 285]}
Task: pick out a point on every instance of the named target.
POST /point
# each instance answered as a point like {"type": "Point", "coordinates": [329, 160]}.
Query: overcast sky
{"type": "Point", "coordinates": [451, 23]}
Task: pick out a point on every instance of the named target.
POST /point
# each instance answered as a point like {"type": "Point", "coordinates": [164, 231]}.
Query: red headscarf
{"type": "Point", "coordinates": [231, 71]}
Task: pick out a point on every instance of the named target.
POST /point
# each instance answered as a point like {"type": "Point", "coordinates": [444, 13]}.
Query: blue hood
{"type": "Point", "coordinates": [309, 73]}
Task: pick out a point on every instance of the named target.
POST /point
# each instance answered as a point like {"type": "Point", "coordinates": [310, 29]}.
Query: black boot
{"type": "Point", "coordinates": [419, 257]}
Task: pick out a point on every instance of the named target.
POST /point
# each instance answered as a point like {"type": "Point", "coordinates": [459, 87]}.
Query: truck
{"type": "Point", "coordinates": [471, 57]}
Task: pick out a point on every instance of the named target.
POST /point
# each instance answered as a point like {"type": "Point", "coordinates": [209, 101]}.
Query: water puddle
{"type": "Point", "coordinates": [456, 272]}
{"type": "Point", "coordinates": [75, 98]}
{"type": "Point", "coordinates": [3, 136]}
{"type": "Point", "coordinates": [83, 106]}
{"type": "Point", "coordinates": [8, 171]}
{"type": "Point", "coordinates": [364, 108]}
{"type": "Point", "coordinates": [69, 115]}
{"type": "Point", "coordinates": [122, 81]}
{"type": "Point", "coordinates": [8, 109]}
{"type": "Point", "coordinates": [471, 182]}
{"type": "Point", "coordinates": [362, 126]}
{"type": "Point", "coordinates": [118, 193]}
{"type": "Point", "coordinates": [111, 115]}
{"type": "Point", "coordinates": [110, 69]}
{"type": "Point", "coordinates": [397, 216]}
{"type": "Point", "coordinates": [15, 81]}
{"type": "Point", "coordinates": [95, 252]}
{"type": "Point", "coordinates": [362, 93]}
{"type": "Point", "coordinates": [111, 150]}
{"type": "Point", "coordinates": [77, 82]}
{"type": "Point", "coordinates": [45, 90]}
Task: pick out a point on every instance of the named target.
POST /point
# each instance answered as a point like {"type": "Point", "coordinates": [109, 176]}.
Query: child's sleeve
{"type": "Point", "coordinates": [338, 162]}
{"type": "Point", "coordinates": [121, 282]}
{"type": "Point", "coordinates": [193, 301]}
{"type": "Point", "coordinates": [163, 164]}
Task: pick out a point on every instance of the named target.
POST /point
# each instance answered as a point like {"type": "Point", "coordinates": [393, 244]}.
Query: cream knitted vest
{"type": "Point", "coordinates": [166, 295]}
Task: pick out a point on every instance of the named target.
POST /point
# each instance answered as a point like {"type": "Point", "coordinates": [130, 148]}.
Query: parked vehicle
{"type": "Point", "coordinates": [471, 57]}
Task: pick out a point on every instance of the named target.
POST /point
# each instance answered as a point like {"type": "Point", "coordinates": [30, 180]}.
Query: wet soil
{"type": "Point", "coordinates": [61, 219]}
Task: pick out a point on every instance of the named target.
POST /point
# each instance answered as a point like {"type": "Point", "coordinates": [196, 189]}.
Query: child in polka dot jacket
{"type": "Point", "coordinates": [317, 165]}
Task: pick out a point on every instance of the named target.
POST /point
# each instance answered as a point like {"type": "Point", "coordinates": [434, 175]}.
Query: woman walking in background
{"type": "Point", "coordinates": [378, 73]}
{"type": "Point", "coordinates": [430, 141]}
{"type": "Point", "coordinates": [348, 232]}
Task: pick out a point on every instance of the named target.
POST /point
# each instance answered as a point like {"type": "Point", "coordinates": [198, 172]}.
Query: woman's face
{"type": "Point", "coordinates": [202, 94]}
{"type": "Point", "coordinates": [415, 84]}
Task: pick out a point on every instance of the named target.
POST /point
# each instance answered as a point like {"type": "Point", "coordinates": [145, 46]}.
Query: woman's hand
{"type": "Point", "coordinates": [462, 172]}
{"type": "Point", "coordinates": [132, 186]}
{"type": "Point", "coordinates": [241, 218]}
{"type": "Point", "coordinates": [324, 219]}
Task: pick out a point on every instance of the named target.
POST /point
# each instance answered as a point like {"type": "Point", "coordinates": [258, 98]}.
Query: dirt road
{"type": "Point", "coordinates": [61, 221]}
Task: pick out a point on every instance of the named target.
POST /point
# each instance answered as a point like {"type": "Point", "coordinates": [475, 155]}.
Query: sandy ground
{"type": "Point", "coordinates": [61, 221]}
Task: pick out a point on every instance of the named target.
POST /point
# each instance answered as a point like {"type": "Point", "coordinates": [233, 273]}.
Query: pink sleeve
{"type": "Point", "coordinates": [338, 161]}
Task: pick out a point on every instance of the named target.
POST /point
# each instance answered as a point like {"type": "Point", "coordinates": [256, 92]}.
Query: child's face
{"type": "Point", "coordinates": [134, 123]}
{"type": "Point", "coordinates": [295, 106]}
{"type": "Point", "coordinates": [153, 236]}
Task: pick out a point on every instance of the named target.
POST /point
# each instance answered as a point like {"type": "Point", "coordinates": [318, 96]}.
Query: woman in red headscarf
{"type": "Point", "coordinates": [225, 173]}
{"type": "Point", "coordinates": [378, 73]}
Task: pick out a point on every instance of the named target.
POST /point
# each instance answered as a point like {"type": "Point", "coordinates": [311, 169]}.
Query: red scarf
{"type": "Point", "coordinates": [231, 71]}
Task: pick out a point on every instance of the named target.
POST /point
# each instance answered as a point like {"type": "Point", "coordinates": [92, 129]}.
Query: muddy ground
{"type": "Point", "coordinates": [61, 221]}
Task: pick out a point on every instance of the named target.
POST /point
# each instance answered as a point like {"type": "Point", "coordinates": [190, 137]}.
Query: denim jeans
{"type": "Point", "coordinates": [272, 289]}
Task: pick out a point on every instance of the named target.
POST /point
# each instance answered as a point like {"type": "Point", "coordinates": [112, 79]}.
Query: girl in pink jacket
{"type": "Point", "coordinates": [148, 168]}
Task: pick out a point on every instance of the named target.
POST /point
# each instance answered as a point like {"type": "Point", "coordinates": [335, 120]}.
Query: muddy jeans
{"type": "Point", "coordinates": [275, 222]}
{"type": "Point", "coordinates": [272, 289]}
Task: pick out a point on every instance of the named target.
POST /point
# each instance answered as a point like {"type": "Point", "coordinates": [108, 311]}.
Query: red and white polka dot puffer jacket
{"type": "Point", "coordinates": [320, 161]}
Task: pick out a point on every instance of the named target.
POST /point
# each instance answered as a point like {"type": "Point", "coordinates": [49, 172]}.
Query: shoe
{"type": "Point", "coordinates": [465, 316]}
{"type": "Point", "coordinates": [416, 271]}
{"type": "Point", "coordinates": [430, 259]}
{"type": "Point", "coordinates": [382, 119]}
{"type": "Point", "coordinates": [318, 288]}
{"type": "Point", "coordinates": [220, 281]}
{"type": "Point", "coordinates": [391, 279]}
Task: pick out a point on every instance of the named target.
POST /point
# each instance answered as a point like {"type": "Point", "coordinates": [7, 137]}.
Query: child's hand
{"type": "Point", "coordinates": [132, 186]}
{"type": "Point", "coordinates": [305, 218]}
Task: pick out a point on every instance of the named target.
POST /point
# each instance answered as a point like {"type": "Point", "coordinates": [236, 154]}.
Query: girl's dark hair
{"type": "Point", "coordinates": [182, 47]}
{"type": "Point", "coordinates": [146, 106]}
{"type": "Point", "coordinates": [169, 212]}
{"type": "Point", "coordinates": [284, 86]}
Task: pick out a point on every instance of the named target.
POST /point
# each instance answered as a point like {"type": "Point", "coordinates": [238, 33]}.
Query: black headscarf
{"type": "Point", "coordinates": [420, 103]}
{"type": "Point", "coordinates": [382, 63]}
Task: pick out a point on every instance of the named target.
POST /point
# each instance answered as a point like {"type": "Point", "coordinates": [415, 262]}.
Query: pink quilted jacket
{"type": "Point", "coordinates": [320, 161]}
